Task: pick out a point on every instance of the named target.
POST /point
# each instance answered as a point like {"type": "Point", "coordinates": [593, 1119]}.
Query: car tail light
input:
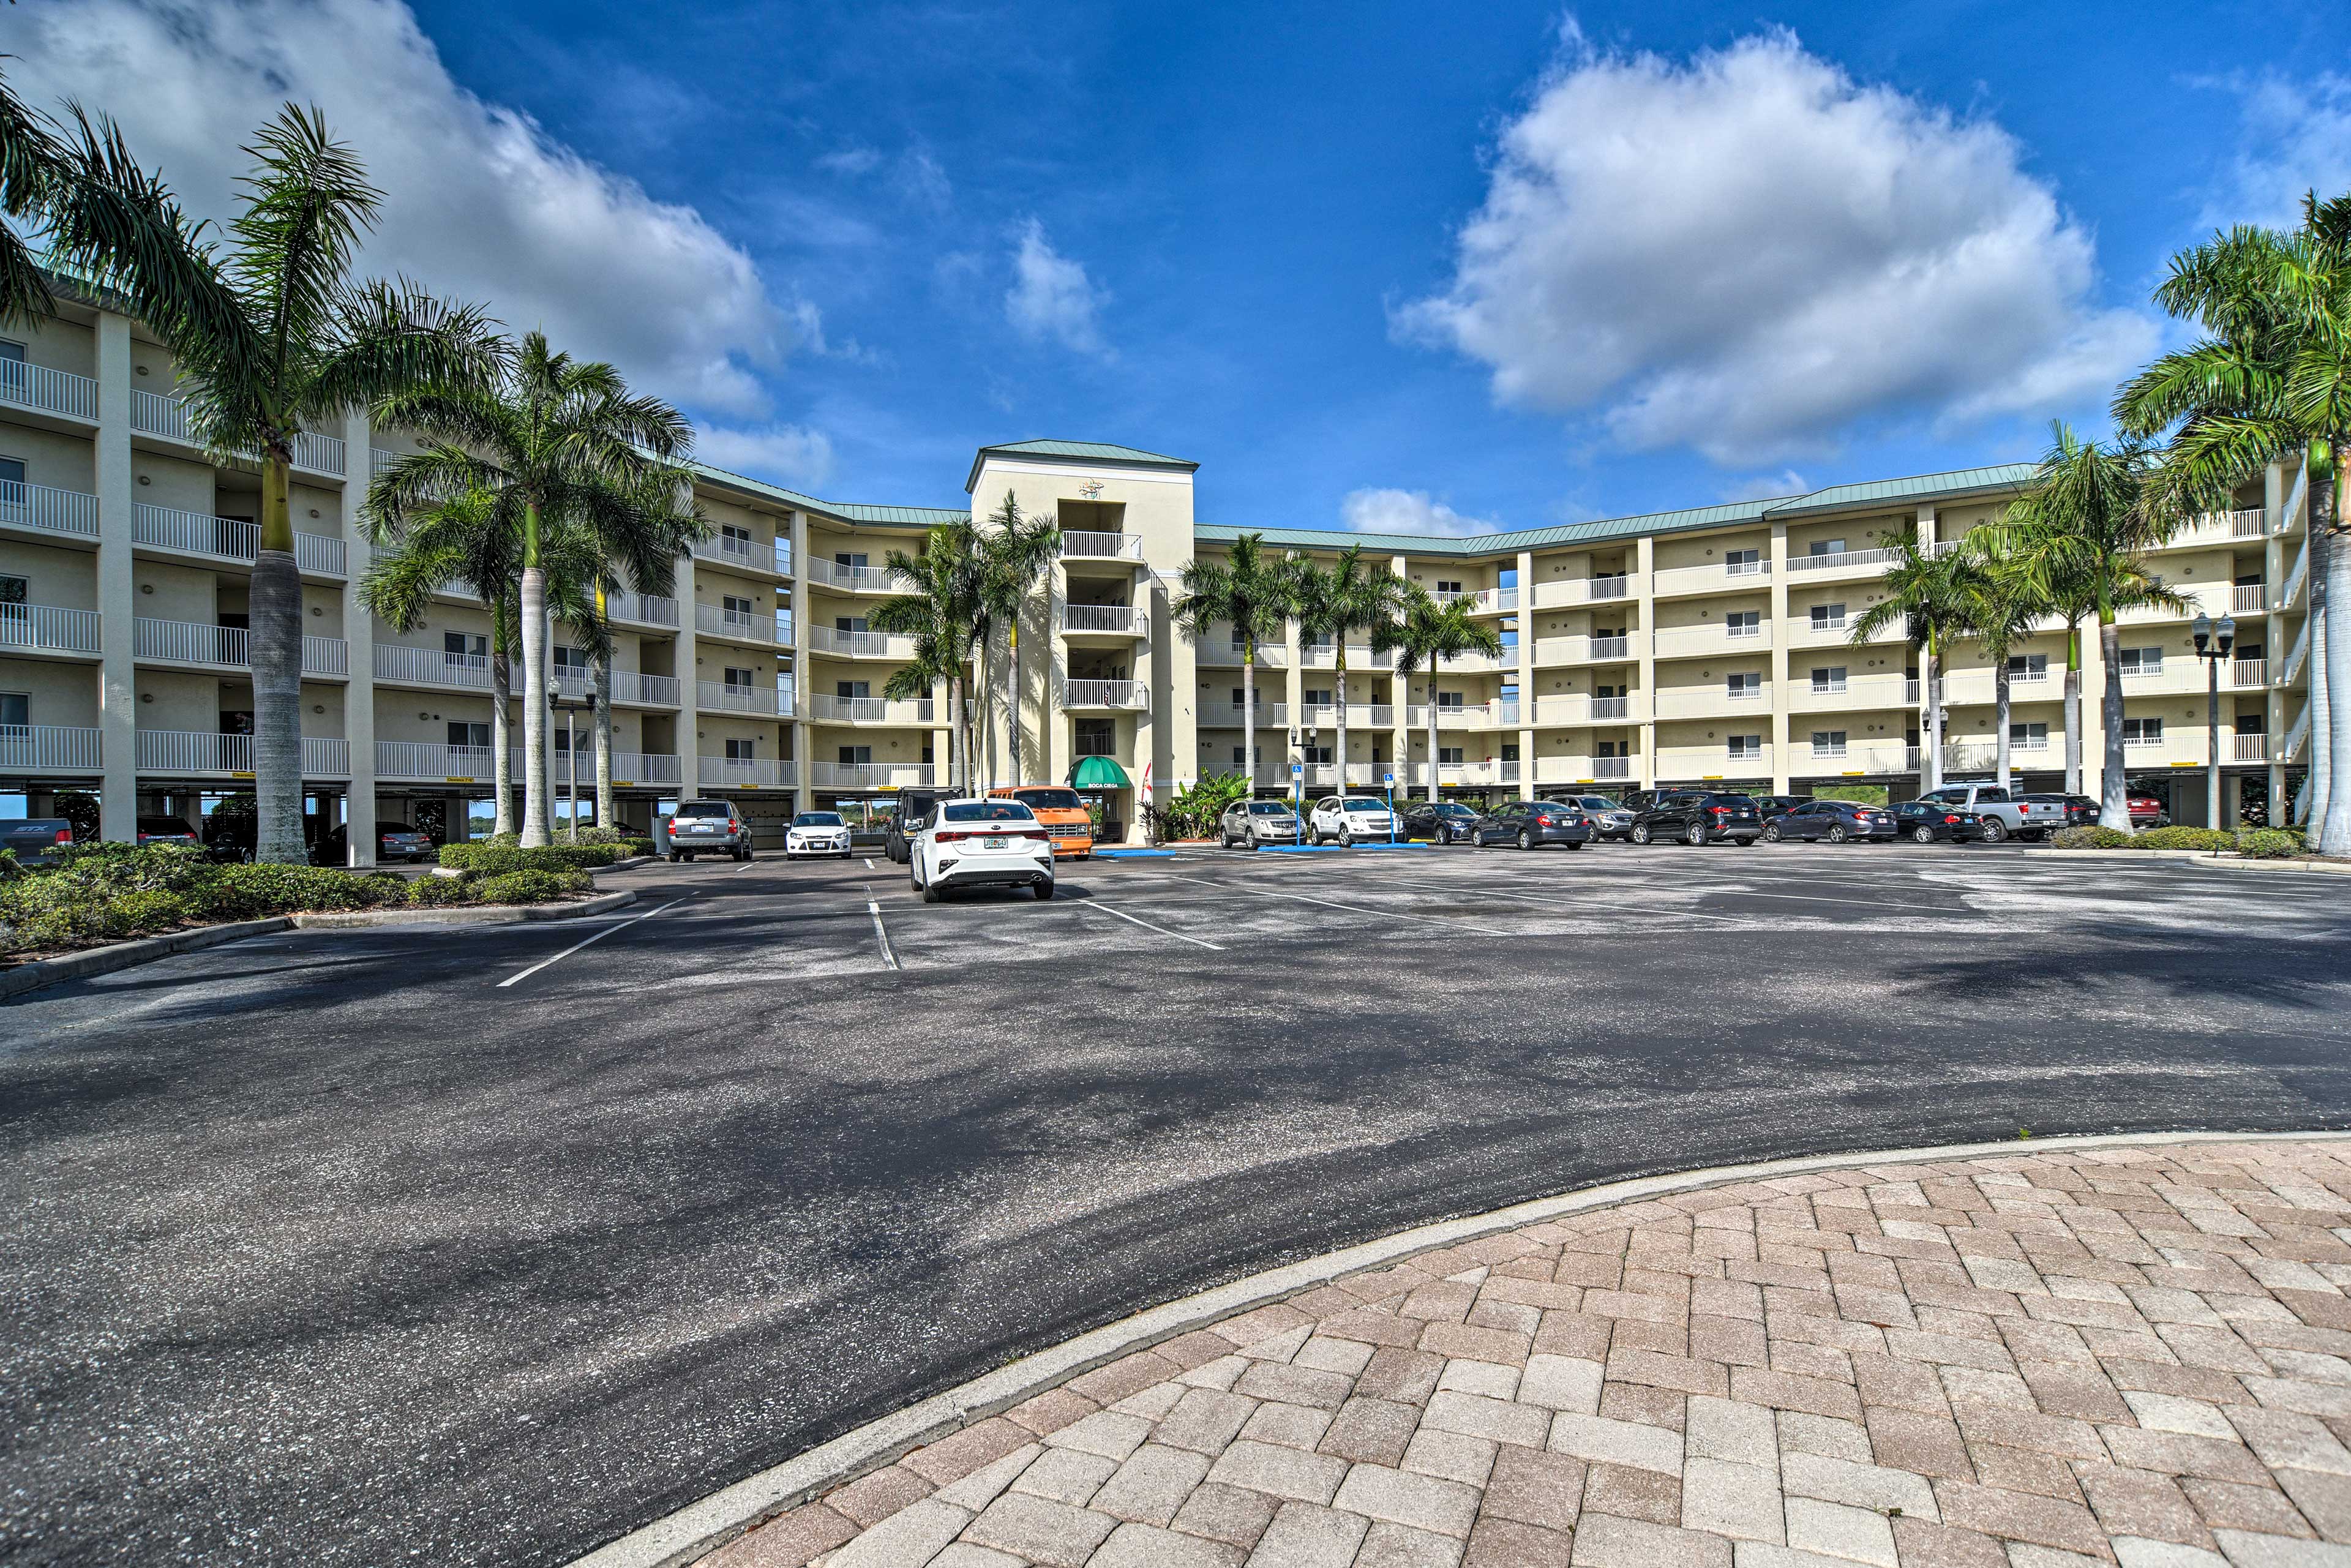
{"type": "Point", "coordinates": [1950, 819]}
{"type": "Point", "coordinates": [65, 835]}
{"type": "Point", "coordinates": [1723, 811]}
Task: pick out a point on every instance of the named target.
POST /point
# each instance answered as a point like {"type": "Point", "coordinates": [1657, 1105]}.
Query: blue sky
{"type": "Point", "coordinates": [1719, 253]}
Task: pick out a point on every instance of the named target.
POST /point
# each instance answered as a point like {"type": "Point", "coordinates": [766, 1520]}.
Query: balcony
{"type": "Point", "coordinates": [1854, 693]}
{"type": "Point", "coordinates": [1124, 695]}
{"type": "Point", "coordinates": [1483, 600]}
{"type": "Point", "coordinates": [48, 510]}
{"type": "Point", "coordinates": [48, 628]}
{"type": "Point", "coordinates": [1582, 769]}
{"type": "Point", "coordinates": [1720, 578]}
{"type": "Point", "coordinates": [1481, 716]}
{"type": "Point", "coordinates": [50, 392]}
{"type": "Point", "coordinates": [2211, 527]}
{"type": "Point", "coordinates": [1360, 775]}
{"type": "Point", "coordinates": [422, 759]}
{"type": "Point", "coordinates": [740, 626]}
{"type": "Point", "coordinates": [227, 539]}
{"type": "Point", "coordinates": [747, 555]}
{"type": "Point", "coordinates": [1852, 758]}
{"type": "Point", "coordinates": [1702, 642]}
{"type": "Point", "coordinates": [432, 667]}
{"type": "Point", "coordinates": [2248, 598]}
{"type": "Point", "coordinates": [1227, 715]}
{"type": "Point", "coordinates": [1841, 563]}
{"type": "Point", "coordinates": [43, 747]}
{"type": "Point", "coordinates": [869, 710]}
{"type": "Point", "coordinates": [1360, 716]}
{"type": "Point", "coordinates": [226, 647]}
{"type": "Point", "coordinates": [194, 751]}
{"type": "Point", "coordinates": [765, 702]}
{"type": "Point", "coordinates": [1567, 590]}
{"type": "Point", "coordinates": [848, 578]}
{"type": "Point", "coordinates": [1325, 656]}
{"type": "Point", "coordinates": [745, 773]}
{"type": "Point", "coordinates": [858, 645]}
{"type": "Point", "coordinates": [1709, 763]}
{"type": "Point", "coordinates": [2249, 747]}
{"type": "Point", "coordinates": [632, 686]}
{"type": "Point", "coordinates": [870, 774]}
{"type": "Point", "coordinates": [1224, 653]}
{"type": "Point", "coordinates": [380, 459]}
{"type": "Point", "coordinates": [641, 610]}
{"type": "Point", "coordinates": [155, 413]}
{"type": "Point", "coordinates": [2249, 672]}
{"type": "Point", "coordinates": [1082, 546]}
{"type": "Point", "coordinates": [1103, 620]}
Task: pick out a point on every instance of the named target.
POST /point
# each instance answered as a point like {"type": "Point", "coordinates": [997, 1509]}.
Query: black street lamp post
{"type": "Point", "coordinates": [2212, 646]}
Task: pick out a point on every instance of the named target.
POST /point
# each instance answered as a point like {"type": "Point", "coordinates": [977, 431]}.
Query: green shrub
{"type": "Point", "coordinates": [600, 835]}
{"type": "Point", "coordinates": [638, 847]}
{"type": "Point", "coordinates": [497, 860]}
{"type": "Point", "coordinates": [437, 891]}
{"type": "Point", "coordinates": [2212, 839]}
{"type": "Point", "coordinates": [2090, 839]}
{"type": "Point", "coordinates": [2268, 844]}
{"type": "Point", "coordinates": [532, 886]}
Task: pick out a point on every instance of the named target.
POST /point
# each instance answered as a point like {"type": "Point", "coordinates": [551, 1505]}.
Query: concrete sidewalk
{"type": "Point", "coordinates": [2127, 1354]}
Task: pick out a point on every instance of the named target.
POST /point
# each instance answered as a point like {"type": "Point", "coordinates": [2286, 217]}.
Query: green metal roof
{"type": "Point", "coordinates": [846, 511]}
{"type": "Point", "coordinates": [1959, 482]}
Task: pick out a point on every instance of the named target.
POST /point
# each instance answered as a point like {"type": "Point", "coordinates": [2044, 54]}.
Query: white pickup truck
{"type": "Point", "coordinates": [2003, 811]}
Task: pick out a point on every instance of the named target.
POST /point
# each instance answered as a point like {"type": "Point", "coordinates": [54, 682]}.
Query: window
{"type": "Point", "coordinates": [742, 750]}
{"type": "Point", "coordinates": [1445, 588]}
{"type": "Point", "coordinates": [1825, 546]}
{"type": "Point", "coordinates": [1828, 617]}
{"type": "Point", "coordinates": [14, 378]}
{"type": "Point", "coordinates": [1449, 756]}
{"type": "Point", "coordinates": [1746, 748]}
{"type": "Point", "coordinates": [2139, 661]}
{"type": "Point", "coordinates": [2027, 667]}
{"type": "Point", "coordinates": [737, 539]}
{"type": "Point", "coordinates": [15, 710]}
{"type": "Point", "coordinates": [1510, 751]}
{"type": "Point", "coordinates": [1316, 696]}
{"type": "Point", "coordinates": [457, 647]}
{"type": "Point", "coordinates": [1614, 748]}
{"type": "Point", "coordinates": [1743, 562]}
{"type": "Point", "coordinates": [13, 588]}
{"type": "Point", "coordinates": [569, 658]}
{"type": "Point", "coordinates": [1828, 743]}
{"type": "Point", "coordinates": [1744, 624]}
{"type": "Point", "coordinates": [1314, 753]}
{"type": "Point", "coordinates": [2029, 736]}
{"type": "Point", "coordinates": [850, 691]}
{"type": "Point", "coordinates": [849, 755]}
{"type": "Point", "coordinates": [12, 472]}
{"type": "Point", "coordinates": [848, 557]}
{"type": "Point", "coordinates": [738, 608]}
{"type": "Point", "coordinates": [740, 680]}
{"type": "Point", "coordinates": [1743, 688]}
{"type": "Point", "coordinates": [1097, 737]}
{"type": "Point", "coordinates": [839, 622]}
{"type": "Point", "coordinates": [1448, 702]}
{"type": "Point", "coordinates": [1828, 678]}
{"type": "Point", "coordinates": [462, 733]}
{"type": "Point", "coordinates": [2142, 732]}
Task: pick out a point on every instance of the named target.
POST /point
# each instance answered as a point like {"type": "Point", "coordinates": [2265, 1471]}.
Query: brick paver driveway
{"type": "Point", "coordinates": [2138, 1355]}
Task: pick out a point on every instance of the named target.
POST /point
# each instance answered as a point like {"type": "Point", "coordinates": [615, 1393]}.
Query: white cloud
{"type": "Point", "coordinates": [1766, 486]}
{"type": "Point", "coordinates": [1750, 254]}
{"type": "Point", "coordinates": [2298, 139]}
{"type": "Point", "coordinates": [791, 455]}
{"type": "Point", "coordinates": [1051, 294]}
{"type": "Point", "coordinates": [1377, 511]}
{"type": "Point", "coordinates": [480, 203]}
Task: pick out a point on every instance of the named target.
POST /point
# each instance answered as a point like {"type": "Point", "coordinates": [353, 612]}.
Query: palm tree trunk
{"type": "Point", "coordinates": [1340, 692]}
{"type": "Point", "coordinates": [2072, 707]}
{"type": "Point", "coordinates": [537, 822]}
{"type": "Point", "coordinates": [1012, 702]}
{"type": "Point", "coordinates": [1436, 779]}
{"type": "Point", "coordinates": [1249, 715]}
{"type": "Point", "coordinates": [2319, 785]}
{"type": "Point", "coordinates": [274, 643]}
{"type": "Point", "coordinates": [603, 745]}
{"type": "Point", "coordinates": [1932, 732]}
{"type": "Point", "coordinates": [2114, 791]}
{"type": "Point", "coordinates": [2335, 827]}
{"type": "Point", "coordinates": [2000, 718]}
{"type": "Point", "coordinates": [954, 735]}
{"type": "Point", "coordinates": [501, 731]}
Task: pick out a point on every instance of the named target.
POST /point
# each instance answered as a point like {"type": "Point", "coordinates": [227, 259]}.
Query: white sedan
{"type": "Point", "coordinates": [817, 834]}
{"type": "Point", "coordinates": [980, 843]}
{"type": "Point", "coordinates": [1351, 818]}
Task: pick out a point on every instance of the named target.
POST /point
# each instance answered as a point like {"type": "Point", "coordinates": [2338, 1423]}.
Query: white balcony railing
{"type": "Point", "coordinates": [432, 667]}
{"type": "Point", "coordinates": [870, 774]}
{"type": "Point", "coordinates": [51, 510]}
{"type": "Point", "coordinates": [745, 773]}
{"type": "Point", "coordinates": [749, 555]}
{"type": "Point", "coordinates": [1125, 695]}
{"type": "Point", "coordinates": [2248, 598]}
{"type": "Point", "coordinates": [1724, 575]}
{"type": "Point", "coordinates": [1838, 560]}
{"type": "Point", "coordinates": [1102, 547]}
{"type": "Point", "coordinates": [26, 748]}
{"type": "Point", "coordinates": [380, 459]}
{"type": "Point", "coordinates": [227, 539]}
{"type": "Point", "coordinates": [719, 696]}
{"type": "Point", "coordinates": [226, 647]}
{"type": "Point", "coordinates": [2247, 523]}
{"type": "Point", "coordinates": [743, 625]}
{"type": "Point", "coordinates": [424, 759]}
{"type": "Point", "coordinates": [2249, 672]}
{"type": "Point", "coordinates": [868, 710]}
{"type": "Point", "coordinates": [1119, 619]}
{"type": "Point", "coordinates": [852, 579]}
{"type": "Point", "coordinates": [630, 769]}
{"type": "Point", "coordinates": [2252, 748]}
{"type": "Point", "coordinates": [640, 609]}
{"type": "Point", "coordinates": [48, 628]}
{"type": "Point", "coordinates": [1227, 715]}
{"type": "Point", "coordinates": [1325, 656]}
{"type": "Point", "coordinates": [201, 751]}
{"type": "Point", "coordinates": [51, 391]}
{"type": "Point", "coordinates": [576, 681]}
{"type": "Point", "coordinates": [858, 645]}
{"type": "Point", "coordinates": [157, 413]}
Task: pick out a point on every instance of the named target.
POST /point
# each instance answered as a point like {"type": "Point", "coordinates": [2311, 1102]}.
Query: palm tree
{"type": "Point", "coordinates": [941, 610]}
{"type": "Point", "coordinates": [1338, 602]}
{"type": "Point", "coordinates": [2269, 379]}
{"type": "Point", "coordinates": [559, 443]}
{"type": "Point", "coordinates": [1250, 592]}
{"type": "Point", "coordinates": [2000, 611]}
{"type": "Point", "coordinates": [1423, 636]}
{"type": "Point", "coordinates": [2080, 531]}
{"type": "Point", "coordinates": [1012, 558]}
{"type": "Point", "coordinates": [1927, 590]}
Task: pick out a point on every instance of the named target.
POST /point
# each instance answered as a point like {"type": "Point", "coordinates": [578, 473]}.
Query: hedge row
{"type": "Point", "coordinates": [2255, 843]}
{"type": "Point", "coordinates": [497, 860]}
{"type": "Point", "coordinates": [111, 893]}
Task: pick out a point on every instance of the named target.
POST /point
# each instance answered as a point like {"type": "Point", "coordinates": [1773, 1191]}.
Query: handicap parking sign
{"type": "Point", "coordinates": [1389, 780]}
{"type": "Point", "coordinates": [1297, 770]}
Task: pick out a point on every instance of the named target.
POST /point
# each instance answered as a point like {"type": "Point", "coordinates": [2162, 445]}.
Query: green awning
{"type": "Point", "coordinates": [1099, 773]}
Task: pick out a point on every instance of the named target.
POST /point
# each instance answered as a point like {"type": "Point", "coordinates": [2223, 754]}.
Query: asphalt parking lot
{"type": "Point", "coordinates": [485, 1244]}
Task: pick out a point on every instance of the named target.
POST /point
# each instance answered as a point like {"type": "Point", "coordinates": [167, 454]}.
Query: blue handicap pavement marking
{"type": "Point", "coordinates": [1134, 855]}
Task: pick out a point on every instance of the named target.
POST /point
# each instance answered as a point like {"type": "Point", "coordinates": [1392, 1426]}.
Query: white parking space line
{"type": "Point", "coordinates": [543, 963]}
{"type": "Point", "coordinates": [1106, 909]}
{"type": "Point", "coordinates": [869, 862]}
{"type": "Point", "coordinates": [1825, 898]}
{"type": "Point", "coordinates": [747, 865]}
{"type": "Point", "coordinates": [1351, 908]}
{"type": "Point", "coordinates": [881, 932]}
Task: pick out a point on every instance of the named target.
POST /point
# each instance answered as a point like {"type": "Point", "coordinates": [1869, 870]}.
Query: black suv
{"type": "Point", "coordinates": [1446, 822]}
{"type": "Point", "coordinates": [1528, 823]}
{"type": "Point", "coordinates": [913, 809]}
{"type": "Point", "coordinates": [1699, 817]}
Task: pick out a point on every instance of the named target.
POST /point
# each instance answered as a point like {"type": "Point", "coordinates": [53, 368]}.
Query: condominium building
{"type": "Point", "coordinates": [1708, 645]}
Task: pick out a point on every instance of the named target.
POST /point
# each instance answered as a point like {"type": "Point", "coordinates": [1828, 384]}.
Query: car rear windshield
{"type": "Point", "coordinates": [701, 808]}
{"type": "Point", "coordinates": [163, 825]}
{"type": "Point", "coordinates": [989, 811]}
{"type": "Point", "coordinates": [1351, 805]}
{"type": "Point", "coordinates": [1050, 799]}
{"type": "Point", "coordinates": [1731, 799]}
{"type": "Point", "coordinates": [1454, 809]}
{"type": "Point", "coordinates": [1598, 803]}
{"type": "Point", "coordinates": [817, 820]}
{"type": "Point", "coordinates": [1267, 808]}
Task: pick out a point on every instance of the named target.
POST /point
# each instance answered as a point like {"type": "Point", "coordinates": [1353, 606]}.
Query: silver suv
{"type": "Point", "coordinates": [708, 827]}
{"type": "Point", "coordinates": [1246, 824]}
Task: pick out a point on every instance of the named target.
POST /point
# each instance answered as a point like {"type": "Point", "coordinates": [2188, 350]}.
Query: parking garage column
{"type": "Point", "coordinates": [1400, 709]}
{"type": "Point", "coordinates": [1645, 562]}
{"type": "Point", "coordinates": [118, 701]}
{"type": "Point", "coordinates": [1293, 688]}
{"type": "Point", "coordinates": [1931, 734]}
{"type": "Point", "coordinates": [358, 636]}
{"type": "Point", "coordinates": [1779, 653]}
{"type": "Point", "coordinates": [1526, 672]}
{"type": "Point", "coordinates": [803, 785]}
{"type": "Point", "coordinates": [1146, 676]}
{"type": "Point", "coordinates": [689, 663]}
{"type": "Point", "coordinates": [2276, 644]}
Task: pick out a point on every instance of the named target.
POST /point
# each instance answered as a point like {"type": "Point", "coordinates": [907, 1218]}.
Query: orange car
{"type": "Point", "coordinates": [1064, 814]}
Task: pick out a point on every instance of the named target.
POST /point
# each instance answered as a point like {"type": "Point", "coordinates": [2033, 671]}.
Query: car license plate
{"type": "Point", "coordinates": [998, 843]}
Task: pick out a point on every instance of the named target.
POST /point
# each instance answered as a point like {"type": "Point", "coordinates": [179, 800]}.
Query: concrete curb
{"type": "Point", "coordinates": [492, 914]}
{"type": "Point", "coordinates": [2201, 857]}
{"type": "Point", "coordinates": [130, 955]}
{"type": "Point", "coordinates": [703, 1527]}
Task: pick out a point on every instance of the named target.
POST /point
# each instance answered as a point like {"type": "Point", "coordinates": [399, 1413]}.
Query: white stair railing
{"type": "Point", "coordinates": [2294, 577]}
{"type": "Point", "coordinates": [2296, 655]}
{"type": "Point", "coordinates": [2295, 736]}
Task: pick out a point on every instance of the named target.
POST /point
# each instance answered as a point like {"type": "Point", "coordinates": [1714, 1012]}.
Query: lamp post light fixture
{"type": "Point", "coordinates": [557, 703]}
{"type": "Point", "coordinates": [2212, 646]}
